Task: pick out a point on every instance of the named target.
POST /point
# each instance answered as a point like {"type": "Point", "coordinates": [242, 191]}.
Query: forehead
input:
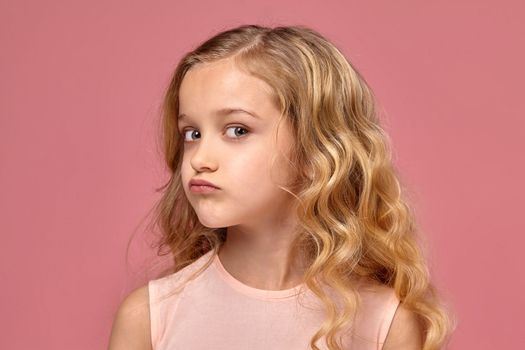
{"type": "Point", "coordinates": [221, 84]}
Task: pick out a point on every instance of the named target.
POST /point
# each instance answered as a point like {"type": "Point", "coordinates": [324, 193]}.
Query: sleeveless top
{"type": "Point", "coordinates": [217, 311]}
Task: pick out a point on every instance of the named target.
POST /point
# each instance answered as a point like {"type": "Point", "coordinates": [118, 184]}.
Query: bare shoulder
{"type": "Point", "coordinates": [405, 332]}
{"type": "Point", "coordinates": [131, 326]}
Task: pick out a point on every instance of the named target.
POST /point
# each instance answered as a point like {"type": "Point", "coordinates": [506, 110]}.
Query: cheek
{"type": "Point", "coordinates": [260, 171]}
{"type": "Point", "coordinates": [249, 168]}
{"type": "Point", "coordinates": [185, 171]}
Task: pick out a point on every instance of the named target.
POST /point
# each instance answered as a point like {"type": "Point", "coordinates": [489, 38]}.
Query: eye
{"type": "Point", "coordinates": [185, 132]}
{"type": "Point", "coordinates": [237, 128]}
{"type": "Point", "coordinates": [238, 132]}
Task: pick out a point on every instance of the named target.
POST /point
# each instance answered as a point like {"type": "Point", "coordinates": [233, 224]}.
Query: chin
{"type": "Point", "coordinates": [210, 225]}
{"type": "Point", "coordinates": [210, 222]}
{"type": "Point", "coordinates": [219, 223]}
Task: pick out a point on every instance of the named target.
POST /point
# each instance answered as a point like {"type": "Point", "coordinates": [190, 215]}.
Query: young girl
{"type": "Point", "coordinates": [283, 212]}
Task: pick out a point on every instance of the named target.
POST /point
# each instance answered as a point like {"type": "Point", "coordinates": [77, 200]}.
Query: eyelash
{"type": "Point", "coordinates": [183, 132]}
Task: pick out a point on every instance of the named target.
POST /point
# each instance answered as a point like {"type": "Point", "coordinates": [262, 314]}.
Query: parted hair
{"type": "Point", "coordinates": [354, 219]}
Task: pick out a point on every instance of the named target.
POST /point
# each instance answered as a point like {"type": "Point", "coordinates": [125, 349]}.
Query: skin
{"type": "Point", "coordinates": [406, 331]}
{"type": "Point", "coordinates": [257, 213]}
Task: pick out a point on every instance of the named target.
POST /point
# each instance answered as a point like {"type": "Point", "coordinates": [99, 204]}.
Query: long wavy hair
{"type": "Point", "coordinates": [353, 218]}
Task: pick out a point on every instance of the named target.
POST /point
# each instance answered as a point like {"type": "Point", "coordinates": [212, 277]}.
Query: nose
{"type": "Point", "coordinates": [203, 156]}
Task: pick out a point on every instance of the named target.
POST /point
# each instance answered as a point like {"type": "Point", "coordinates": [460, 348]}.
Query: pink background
{"type": "Point", "coordinates": [80, 89]}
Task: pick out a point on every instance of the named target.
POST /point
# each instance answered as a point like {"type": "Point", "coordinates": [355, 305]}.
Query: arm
{"type": "Point", "coordinates": [131, 327]}
{"type": "Point", "coordinates": [405, 331]}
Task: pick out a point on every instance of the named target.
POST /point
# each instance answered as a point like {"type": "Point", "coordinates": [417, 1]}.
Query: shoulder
{"type": "Point", "coordinates": [405, 331]}
{"type": "Point", "coordinates": [396, 325]}
{"type": "Point", "coordinates": [171, 283]}
{"type": "Point", "coordinates": [131, 326]}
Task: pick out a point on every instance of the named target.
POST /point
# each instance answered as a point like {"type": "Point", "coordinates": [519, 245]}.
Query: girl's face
{"type": "Point", "coordinates": [232, 149]}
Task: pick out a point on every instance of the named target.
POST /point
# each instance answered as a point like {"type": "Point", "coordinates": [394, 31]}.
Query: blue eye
{"type": "Point", "coordinates": [238, 132]}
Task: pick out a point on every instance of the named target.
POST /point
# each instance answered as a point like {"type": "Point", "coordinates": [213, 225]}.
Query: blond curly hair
{"type": "Point", "coordinates": [353, 218]}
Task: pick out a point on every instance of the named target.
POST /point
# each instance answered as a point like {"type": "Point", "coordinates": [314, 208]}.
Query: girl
{"type": "Point", "coordinates": [283, 212]}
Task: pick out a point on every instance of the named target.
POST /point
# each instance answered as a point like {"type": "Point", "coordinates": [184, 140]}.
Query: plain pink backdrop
{"type": "Point", "coordinates": [80, 88]}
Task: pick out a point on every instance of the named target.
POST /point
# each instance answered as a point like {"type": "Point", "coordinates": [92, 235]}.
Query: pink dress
{"type": "Point", "coordinates": [217, 311]}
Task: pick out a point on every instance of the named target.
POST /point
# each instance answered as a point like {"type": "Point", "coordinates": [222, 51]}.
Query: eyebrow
{"type": "Point", "coordinates": [224, 112]}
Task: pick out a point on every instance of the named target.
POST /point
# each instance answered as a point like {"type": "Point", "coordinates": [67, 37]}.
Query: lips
{"type": "Point", "coordinates": [200, 182]}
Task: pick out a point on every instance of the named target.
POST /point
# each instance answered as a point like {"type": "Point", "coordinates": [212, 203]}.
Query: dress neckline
{"type": "Point", "coordinates": [265, 294]}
